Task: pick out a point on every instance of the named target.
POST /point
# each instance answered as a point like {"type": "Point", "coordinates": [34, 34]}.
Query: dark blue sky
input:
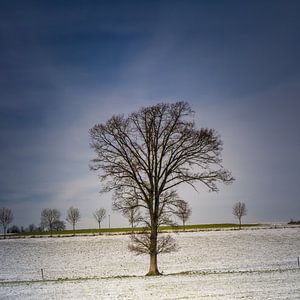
{"type": "Point", "coordinates": [66, 65]}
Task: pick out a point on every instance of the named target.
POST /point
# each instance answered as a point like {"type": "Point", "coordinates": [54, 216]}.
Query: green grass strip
{"type": "Point", "coordinates": [136, 229]}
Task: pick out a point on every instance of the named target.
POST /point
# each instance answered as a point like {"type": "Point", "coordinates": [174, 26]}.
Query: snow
{"type": "Point", "coordinates": [250, 264]}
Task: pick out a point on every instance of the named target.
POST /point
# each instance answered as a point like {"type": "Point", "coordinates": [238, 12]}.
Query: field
{"type": "Point", "coordinates": [246, 264]}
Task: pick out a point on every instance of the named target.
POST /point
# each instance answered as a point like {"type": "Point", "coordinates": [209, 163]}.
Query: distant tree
{"type": "Point", "coordinates": [133, 216]}
{"type": "Point", "coordinates": [146, 155]}
{"type": "Point", "coordinates": [130, 210]}
{"type": "Point", "coordinates": [99, 215]}
{"type": "Point", "coordinates": [48, 218]}
{"type": "Point", "coordinates": [183, 211]}
{"type": "Point", "coordinates": [32, 228]}
{"type": "Point", "coordinates": [293, 222]}
{"type": "Point", "coordinates": [73, 216]}
{"type": "Point", "coordinates": [39, 229]}
{"type": "Point", "coordinates": [239, 210]}
{"type": "Point", "coordinates": [6, 217]}
{"type": "Point", "coordinates": [59, 225]}
{"type": "Point", "coordinates": [13, 229]}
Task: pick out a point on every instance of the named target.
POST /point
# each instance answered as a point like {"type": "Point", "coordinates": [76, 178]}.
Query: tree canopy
{"type": "Point", "coordinates": [144, 156]}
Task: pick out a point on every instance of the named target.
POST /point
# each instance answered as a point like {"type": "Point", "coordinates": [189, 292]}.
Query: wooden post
{"type": "Point", "coordinates": [298, 260]}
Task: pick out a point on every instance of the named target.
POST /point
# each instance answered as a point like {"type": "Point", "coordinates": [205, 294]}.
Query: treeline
{"type": "Point", "coordinates": [22, 229]}
{"type": "Point", "coordinates": [292, 222]}
{"type": "Point", "coordinates": [51, 220]}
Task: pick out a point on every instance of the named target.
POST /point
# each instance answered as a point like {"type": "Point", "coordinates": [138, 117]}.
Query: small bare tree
{"type": "Point", "coordinates": [59, 225]}
{"type": "Point", "coordinates": [49, 218]}
{"type": "Point", "coordinates": [73, 216]}
{"type": "Point", "coordinates": [100, 215]}
{"type": "Point", "coordinates": [6, 217]}
{"type": "Point", "coordinates": [146, 155]}
{"type": "Point", "coordinates": [129, 208]}
{"type": "Point", "coordinates": [32, 228]}
{"type": "Point", "coordinates": [239, 210]}
{"type": "Point", "coordinates": [133, 216]}
{"type": "Point", "coordinates": [183, 211]}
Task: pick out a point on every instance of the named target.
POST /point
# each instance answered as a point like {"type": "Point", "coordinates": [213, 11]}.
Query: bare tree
{"type": "Point", "coordinates": [32, 228]}
{"type": "Point", "coordinates": [73, 216]}
{"type": "Point", "coordinates": [100, 215]}
{"type": "Point", "coordinates": [183, 211]}
{"type": "Point", "coordinates": [6, 217]}
{"type": "Point", "coordinates": [147, 155]}
{"type": "Point", "coordinates": [59, 225]}
{"type": "Point", "coordinates": [129, 208]}
{"type": "Point", "coordinates": [48, 218]}
{"type": "Point", "coordinates": [133, 216]}
{"type": "Point", "coordinates": [239, 210]}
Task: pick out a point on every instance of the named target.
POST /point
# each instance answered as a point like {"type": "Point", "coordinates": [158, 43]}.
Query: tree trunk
{"type": "Point", "coordinates": [153, 268]}
{"type": "Point", "coordinates": [4, 232]}
{"type": "Point", "coordinates": [74, 229]}
{"type": "Point", "coordinates": [240, 223]}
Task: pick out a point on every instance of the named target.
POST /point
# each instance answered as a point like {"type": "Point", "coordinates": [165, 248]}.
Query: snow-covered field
{"type": "Point", "coordinates": [247, 264]}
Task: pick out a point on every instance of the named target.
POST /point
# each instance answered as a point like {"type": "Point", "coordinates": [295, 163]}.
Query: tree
{"type": "Point", "coordinates": [48, 218]}
{"type": "Point", "coordinates": [133, 216]}
{"type": "Point", "coordinates": [183, 211]}
{"type": "Point", "coordinates": [146, 155]}
{"type": "Point", "coordinates": [6, 217]}
{"type": "Point", "coordinates": [130, 210]}
{"type": "Point", "coordinates": [13, 229]}
{"type": "Point", "coordinates": [32, 228]}
{"type": "Point", "coordinates": [100, 215]}
{"type": "Point", "coordinates": [59, 225]}
{"type": "Point", "coordinates": [73, 216]}
{"type": "Point", "coordinates": [239, 210]}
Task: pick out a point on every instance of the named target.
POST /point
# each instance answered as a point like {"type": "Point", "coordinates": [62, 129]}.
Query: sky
{"type": "Point", "coordinates": [67, 65]}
